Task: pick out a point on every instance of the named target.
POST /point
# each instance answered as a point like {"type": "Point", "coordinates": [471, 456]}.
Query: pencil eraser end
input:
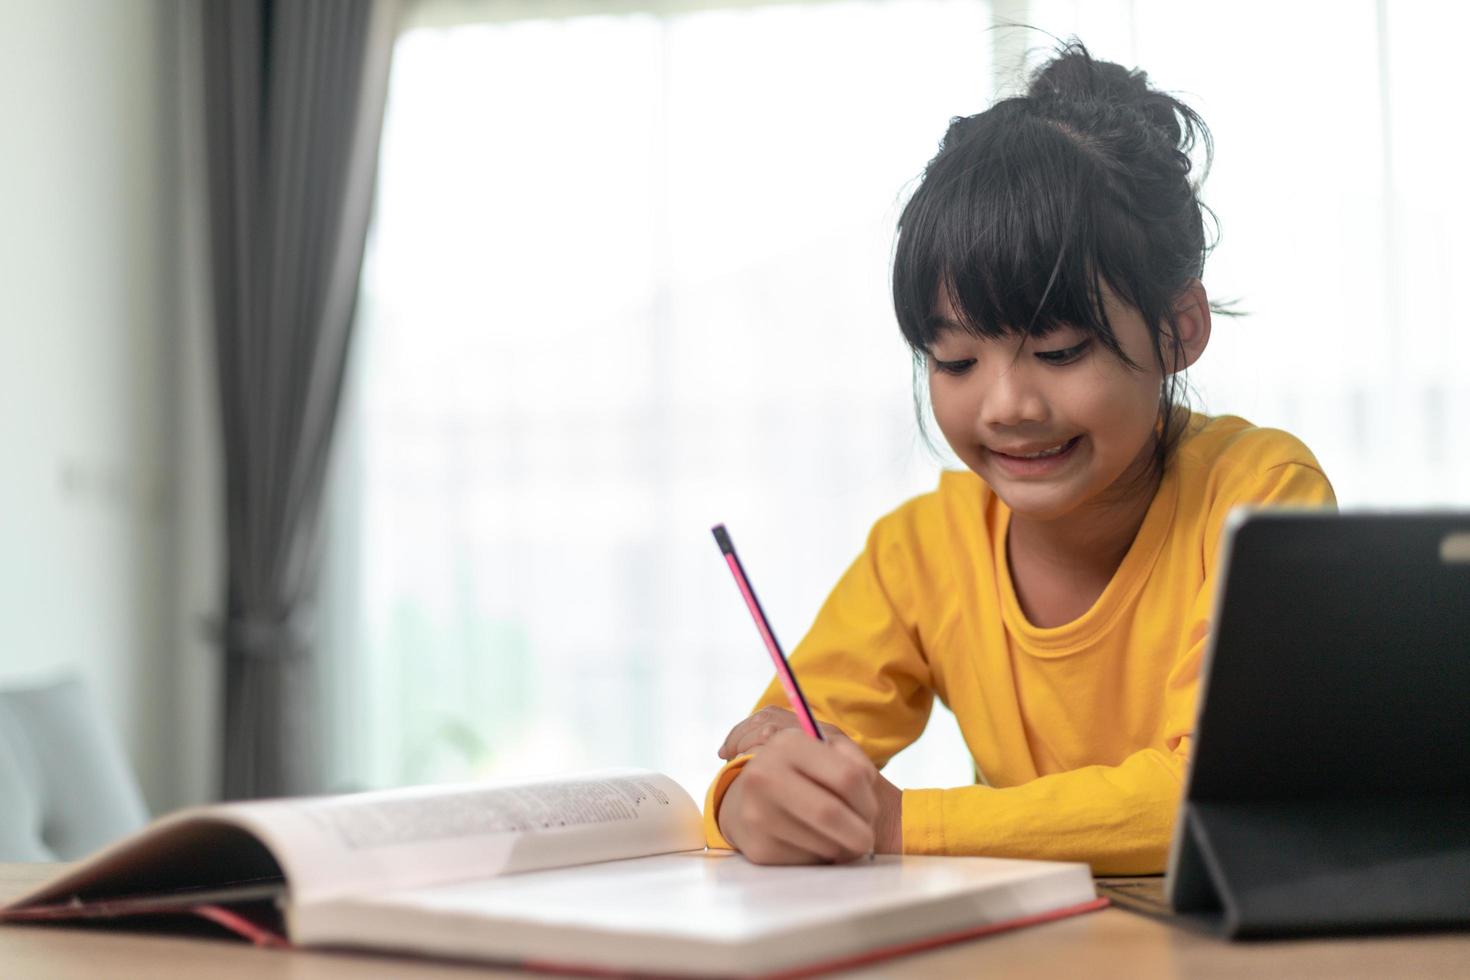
{"type": "Point", "coordinates": [722, 538]}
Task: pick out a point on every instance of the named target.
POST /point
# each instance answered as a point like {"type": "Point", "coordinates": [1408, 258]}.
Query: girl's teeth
{"type": "Point", "coordinates": [1045, 452]}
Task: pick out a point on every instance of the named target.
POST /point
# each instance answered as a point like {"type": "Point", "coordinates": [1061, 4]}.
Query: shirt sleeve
{"type": "Point", "coordinates": [861, 666]}
{"type": "Point", "coordinates": [1119, 818]}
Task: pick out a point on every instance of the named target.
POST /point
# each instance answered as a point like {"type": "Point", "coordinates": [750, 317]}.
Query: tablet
{"type": "Point", "coordinates": [1329, 784]}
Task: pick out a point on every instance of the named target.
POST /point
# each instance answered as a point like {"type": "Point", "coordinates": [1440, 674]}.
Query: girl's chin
{"type": "Point", "coordinates": [1041, 514]}
{"type": "Point", "coordinates": [1036, 503]}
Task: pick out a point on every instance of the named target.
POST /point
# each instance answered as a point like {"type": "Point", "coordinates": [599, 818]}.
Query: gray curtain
{"type": "Point", "coordinates": [293, 95]}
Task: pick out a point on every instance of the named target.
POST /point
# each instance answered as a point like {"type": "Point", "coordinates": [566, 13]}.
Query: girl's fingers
{"type": "Point", "coordinates": [800, 800]}
{"type": "Point", "coordinates": [769, 850]}
{"type": "Point", "coordinates": [727, 747]}
{"type": "Point", "coordinates": [783, 814]}
{"type": "Point", "coordinates": [758, 729]}
{"type": "Point", "coordinates": [748, 733]}
{"type": "Point", "coordinates": [795, 830]}
{"type": "Point", "coordinates": [843, 771]}
{"type": "Point", "coordinates": [865, 802]}
{"type": "Point", "coordinates": [827, 789]}
{"type": "Point", "coordinates": [814, 819]}
{"type": "Point", "coordinates": [775, 832]}
{"type": "Point", "coordinates": [754, 737]}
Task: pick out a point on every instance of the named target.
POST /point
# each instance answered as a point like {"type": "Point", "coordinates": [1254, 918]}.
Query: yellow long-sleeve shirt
{"type": "Point", "coordinates": [1080, 733]}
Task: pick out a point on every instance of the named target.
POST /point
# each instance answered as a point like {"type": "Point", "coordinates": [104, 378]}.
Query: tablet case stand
{"type": "Point", "coordinates": [1340, 866]}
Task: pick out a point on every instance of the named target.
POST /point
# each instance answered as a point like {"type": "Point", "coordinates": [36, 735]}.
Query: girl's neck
{"type": "Point", "coordinates": [1094, 539]}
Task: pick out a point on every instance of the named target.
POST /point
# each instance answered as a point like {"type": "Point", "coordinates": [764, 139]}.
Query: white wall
{"type": "Point", "coordinates": [106, 514]}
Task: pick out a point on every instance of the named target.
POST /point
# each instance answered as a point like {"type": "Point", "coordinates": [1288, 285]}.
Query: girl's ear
{"type": "Point", "coordinates": [1191, 325]}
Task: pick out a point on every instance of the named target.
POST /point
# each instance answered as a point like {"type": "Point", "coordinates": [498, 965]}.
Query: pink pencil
{"type": "Point", "coordinates": [783, 669]}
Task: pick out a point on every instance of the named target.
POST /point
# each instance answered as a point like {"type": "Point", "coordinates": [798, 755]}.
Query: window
{"type": "Point", "coordinates": [629, 278]}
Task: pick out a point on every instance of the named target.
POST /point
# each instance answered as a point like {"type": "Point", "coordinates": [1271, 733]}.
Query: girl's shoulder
{"type": "Point", "coordinates": [1226, 462]}
{"type": "Point", "coordinates": [918, 548]}
{"type": "Point", "coordinates": [960, 497]}
{"type": "Point", "coordinates": [1221, 446]}
{"type": "Point", "coordinates": [960, 513]}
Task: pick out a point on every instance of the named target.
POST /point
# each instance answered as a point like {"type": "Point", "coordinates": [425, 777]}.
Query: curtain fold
{"type": "Point", "coordinates": [294, 96]}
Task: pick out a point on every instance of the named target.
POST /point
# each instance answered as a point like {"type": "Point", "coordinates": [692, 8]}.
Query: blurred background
{"type": "Point", "coordinates": [625, 278]}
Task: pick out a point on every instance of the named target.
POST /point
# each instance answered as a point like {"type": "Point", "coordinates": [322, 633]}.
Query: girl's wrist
{"type": "Point", "coordinates": [888, 829]}
{"type": "Point", "coordinates": [724, 817]}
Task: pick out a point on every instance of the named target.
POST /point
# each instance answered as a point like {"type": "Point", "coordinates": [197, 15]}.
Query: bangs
{"type": "Point", "coordinates": [1020, 231]}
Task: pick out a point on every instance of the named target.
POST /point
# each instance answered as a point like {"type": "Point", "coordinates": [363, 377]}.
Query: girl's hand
{"type": "Point", "coordinates": [800, 801]}
{"type": "Point", "coordinates": [756, 730]}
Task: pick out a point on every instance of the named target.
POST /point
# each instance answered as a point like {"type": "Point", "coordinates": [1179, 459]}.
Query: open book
{"type": "Point", "coordinates": [596, 871]}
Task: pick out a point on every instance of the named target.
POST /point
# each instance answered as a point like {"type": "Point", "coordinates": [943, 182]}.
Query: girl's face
{"type": "Point", "coordinates": [1053, 425]}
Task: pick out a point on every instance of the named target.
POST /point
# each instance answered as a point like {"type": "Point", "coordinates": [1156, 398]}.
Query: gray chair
{"type": "Point", "coordinates": [65, 786]}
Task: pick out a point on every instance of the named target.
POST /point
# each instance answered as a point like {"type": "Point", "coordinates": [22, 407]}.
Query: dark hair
{"type": "Point", "coordinates": [1031, 206]}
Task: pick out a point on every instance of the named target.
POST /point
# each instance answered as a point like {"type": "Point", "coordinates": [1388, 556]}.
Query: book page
{"type": "Point", "coordinates": [379, 841]}
{"type": "Point", "coordinates": [369, 843]}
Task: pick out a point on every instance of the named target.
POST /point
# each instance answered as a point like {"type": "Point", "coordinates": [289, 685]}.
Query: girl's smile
{"type": "Point", "coordinates": [1023, 462]}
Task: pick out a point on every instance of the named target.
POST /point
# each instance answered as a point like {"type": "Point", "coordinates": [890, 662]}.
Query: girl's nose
{"type": "Point", "coordinates": [1011, 400]}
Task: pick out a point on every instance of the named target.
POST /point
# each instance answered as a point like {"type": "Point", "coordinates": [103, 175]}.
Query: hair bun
{"type": "Point", "coordinates": [1074, 76]}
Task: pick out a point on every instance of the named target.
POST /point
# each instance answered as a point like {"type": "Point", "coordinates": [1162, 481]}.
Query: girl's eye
{"type": "Point", "coordinates": [953, 367]}
{"type": "Point", "coordinates": [1066, 355]}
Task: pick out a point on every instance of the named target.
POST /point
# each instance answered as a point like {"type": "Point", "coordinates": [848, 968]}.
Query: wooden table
{"type": "Point", "coordinates": [1111, 943]}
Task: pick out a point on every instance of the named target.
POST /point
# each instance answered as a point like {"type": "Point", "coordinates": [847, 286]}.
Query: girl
{"type": "Point", "coordinates": [1057, 594]}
